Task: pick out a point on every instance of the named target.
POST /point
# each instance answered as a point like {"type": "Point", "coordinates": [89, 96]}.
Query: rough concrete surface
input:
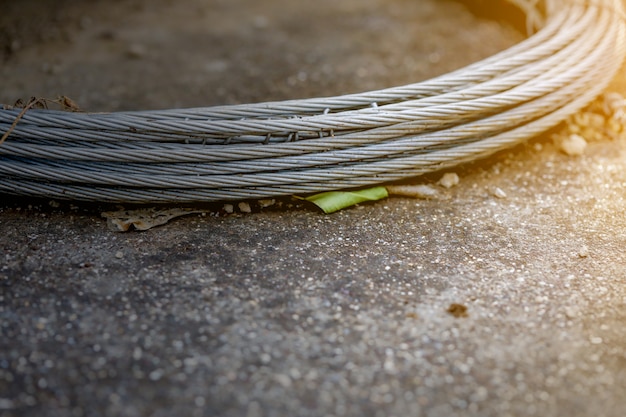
{"type": "Point", "coordinates": [286, 311]}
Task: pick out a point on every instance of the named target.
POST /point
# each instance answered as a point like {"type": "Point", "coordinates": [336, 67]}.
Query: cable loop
{"type": "Point", "coordinates": [304, 146]}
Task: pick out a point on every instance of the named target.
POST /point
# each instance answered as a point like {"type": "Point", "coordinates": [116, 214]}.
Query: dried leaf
{"type": "Point", "coordinates": [143, 219]}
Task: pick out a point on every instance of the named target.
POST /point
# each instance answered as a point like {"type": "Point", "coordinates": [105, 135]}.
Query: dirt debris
{"type": "Point", "coordinates": [144, 219]}
{"type": "Point", "coordinates": [458, 310]}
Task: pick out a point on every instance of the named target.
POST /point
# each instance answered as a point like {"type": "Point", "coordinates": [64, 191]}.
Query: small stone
{"type": "Point", "coordinates": [573, 145]}
{"type": "Point", "coordinates": [136, 51]}
{"type": "Point", "coordinates": [6, 404]}
{"type": "Point", "coordinates": [449, 180]}
{"type": "Point", "coordinates": [571, 312]}
{"type": "Point", "coordinates": [266, 203]}
{"type": "Point", "coordinates": [119, 254]}
{"type": "Point", "coordinates": [244, 207]}
{"type": "Point", "coordinates": [614, 125]}
{"type": "Point", "coordinates": [283, 380]}
{"type": "Point", "coordinates": [156, 374]}
{"type": "Point", "coordinates": [583, 252]}
{"type": "Point", "coordinates": [498, 192]}
{"type": "Point", "coordinates": [596, 340]}
{"type": "Point", "coordinates": [613, 103]}
{"type": "Point", "coordinates": [228, 208]}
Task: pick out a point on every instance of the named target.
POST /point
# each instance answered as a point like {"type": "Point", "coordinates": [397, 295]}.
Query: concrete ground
{"type": "Point", "coordinates": [503, 296]}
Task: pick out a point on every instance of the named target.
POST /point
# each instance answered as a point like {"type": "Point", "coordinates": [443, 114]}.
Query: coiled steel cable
{"type": "Point", "coordinates": [320, 144]}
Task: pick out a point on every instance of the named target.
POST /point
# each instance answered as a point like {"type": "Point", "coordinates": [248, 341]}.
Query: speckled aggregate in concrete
{"type": "Point", "coordinates": [297, 313]}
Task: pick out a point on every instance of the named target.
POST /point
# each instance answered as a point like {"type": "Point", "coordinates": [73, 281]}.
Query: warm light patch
{"type": "Point", "coordinates": [603, 119]}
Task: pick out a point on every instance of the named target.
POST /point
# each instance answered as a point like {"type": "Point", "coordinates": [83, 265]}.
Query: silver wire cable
{"type": "Point", "coordinates": [320, 144]}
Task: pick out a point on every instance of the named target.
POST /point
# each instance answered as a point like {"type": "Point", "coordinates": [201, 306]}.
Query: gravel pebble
{"type": "Point", "coordinates": [498, 192]}
{"type": "Point", "coordinates": [244, 207]}
{"type": "Point", "coordinates": [573, 145]}
{"type": "Point", "coordinates": [449, 180]}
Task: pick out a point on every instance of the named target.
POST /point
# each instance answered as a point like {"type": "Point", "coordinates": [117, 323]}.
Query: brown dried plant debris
{"type": "Point", "coordinates": [64, 102]}
{"type": "Point", "coordinates": [143, 219]}
{"type": "Point", "coordinates": [458, 310]}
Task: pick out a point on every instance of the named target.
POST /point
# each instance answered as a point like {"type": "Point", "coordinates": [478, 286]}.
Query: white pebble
{"type": "Point", "coordinates": [244, 207]}
{"type": "Point", "coordinates": [573, 145]}
{"type": "Point", "coordinates": [498, 192]}
{"type": "Point", "coordinates": [596, 340]}
{"type": "Point", "coordinates": [283, 380]}
{"type": "Point", "coordinates": [449, 180]}
{"type": "Point", "coordinates": [156, 374]}
{"type": "Point", "coordinates": [228, 208]}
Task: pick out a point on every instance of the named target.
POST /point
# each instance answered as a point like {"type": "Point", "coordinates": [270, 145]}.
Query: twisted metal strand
{"type": "Point", "coordinates": [311, 145]}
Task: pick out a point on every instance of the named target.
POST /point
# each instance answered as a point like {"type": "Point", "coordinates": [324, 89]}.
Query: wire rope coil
{"type": "Point", "coordinates": [321, 144]}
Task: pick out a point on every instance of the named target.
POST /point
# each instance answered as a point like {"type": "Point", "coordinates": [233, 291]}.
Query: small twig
{"type": "Point", "coordinates": [67, 103]}
{"type": "Point", "coordinates": [30, 104]}
{"type": "Point", "coordinates": [413, 191]}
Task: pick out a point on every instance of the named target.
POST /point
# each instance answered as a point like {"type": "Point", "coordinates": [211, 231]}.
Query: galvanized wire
{"type": "Point", "coordinates": [320, 144]}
